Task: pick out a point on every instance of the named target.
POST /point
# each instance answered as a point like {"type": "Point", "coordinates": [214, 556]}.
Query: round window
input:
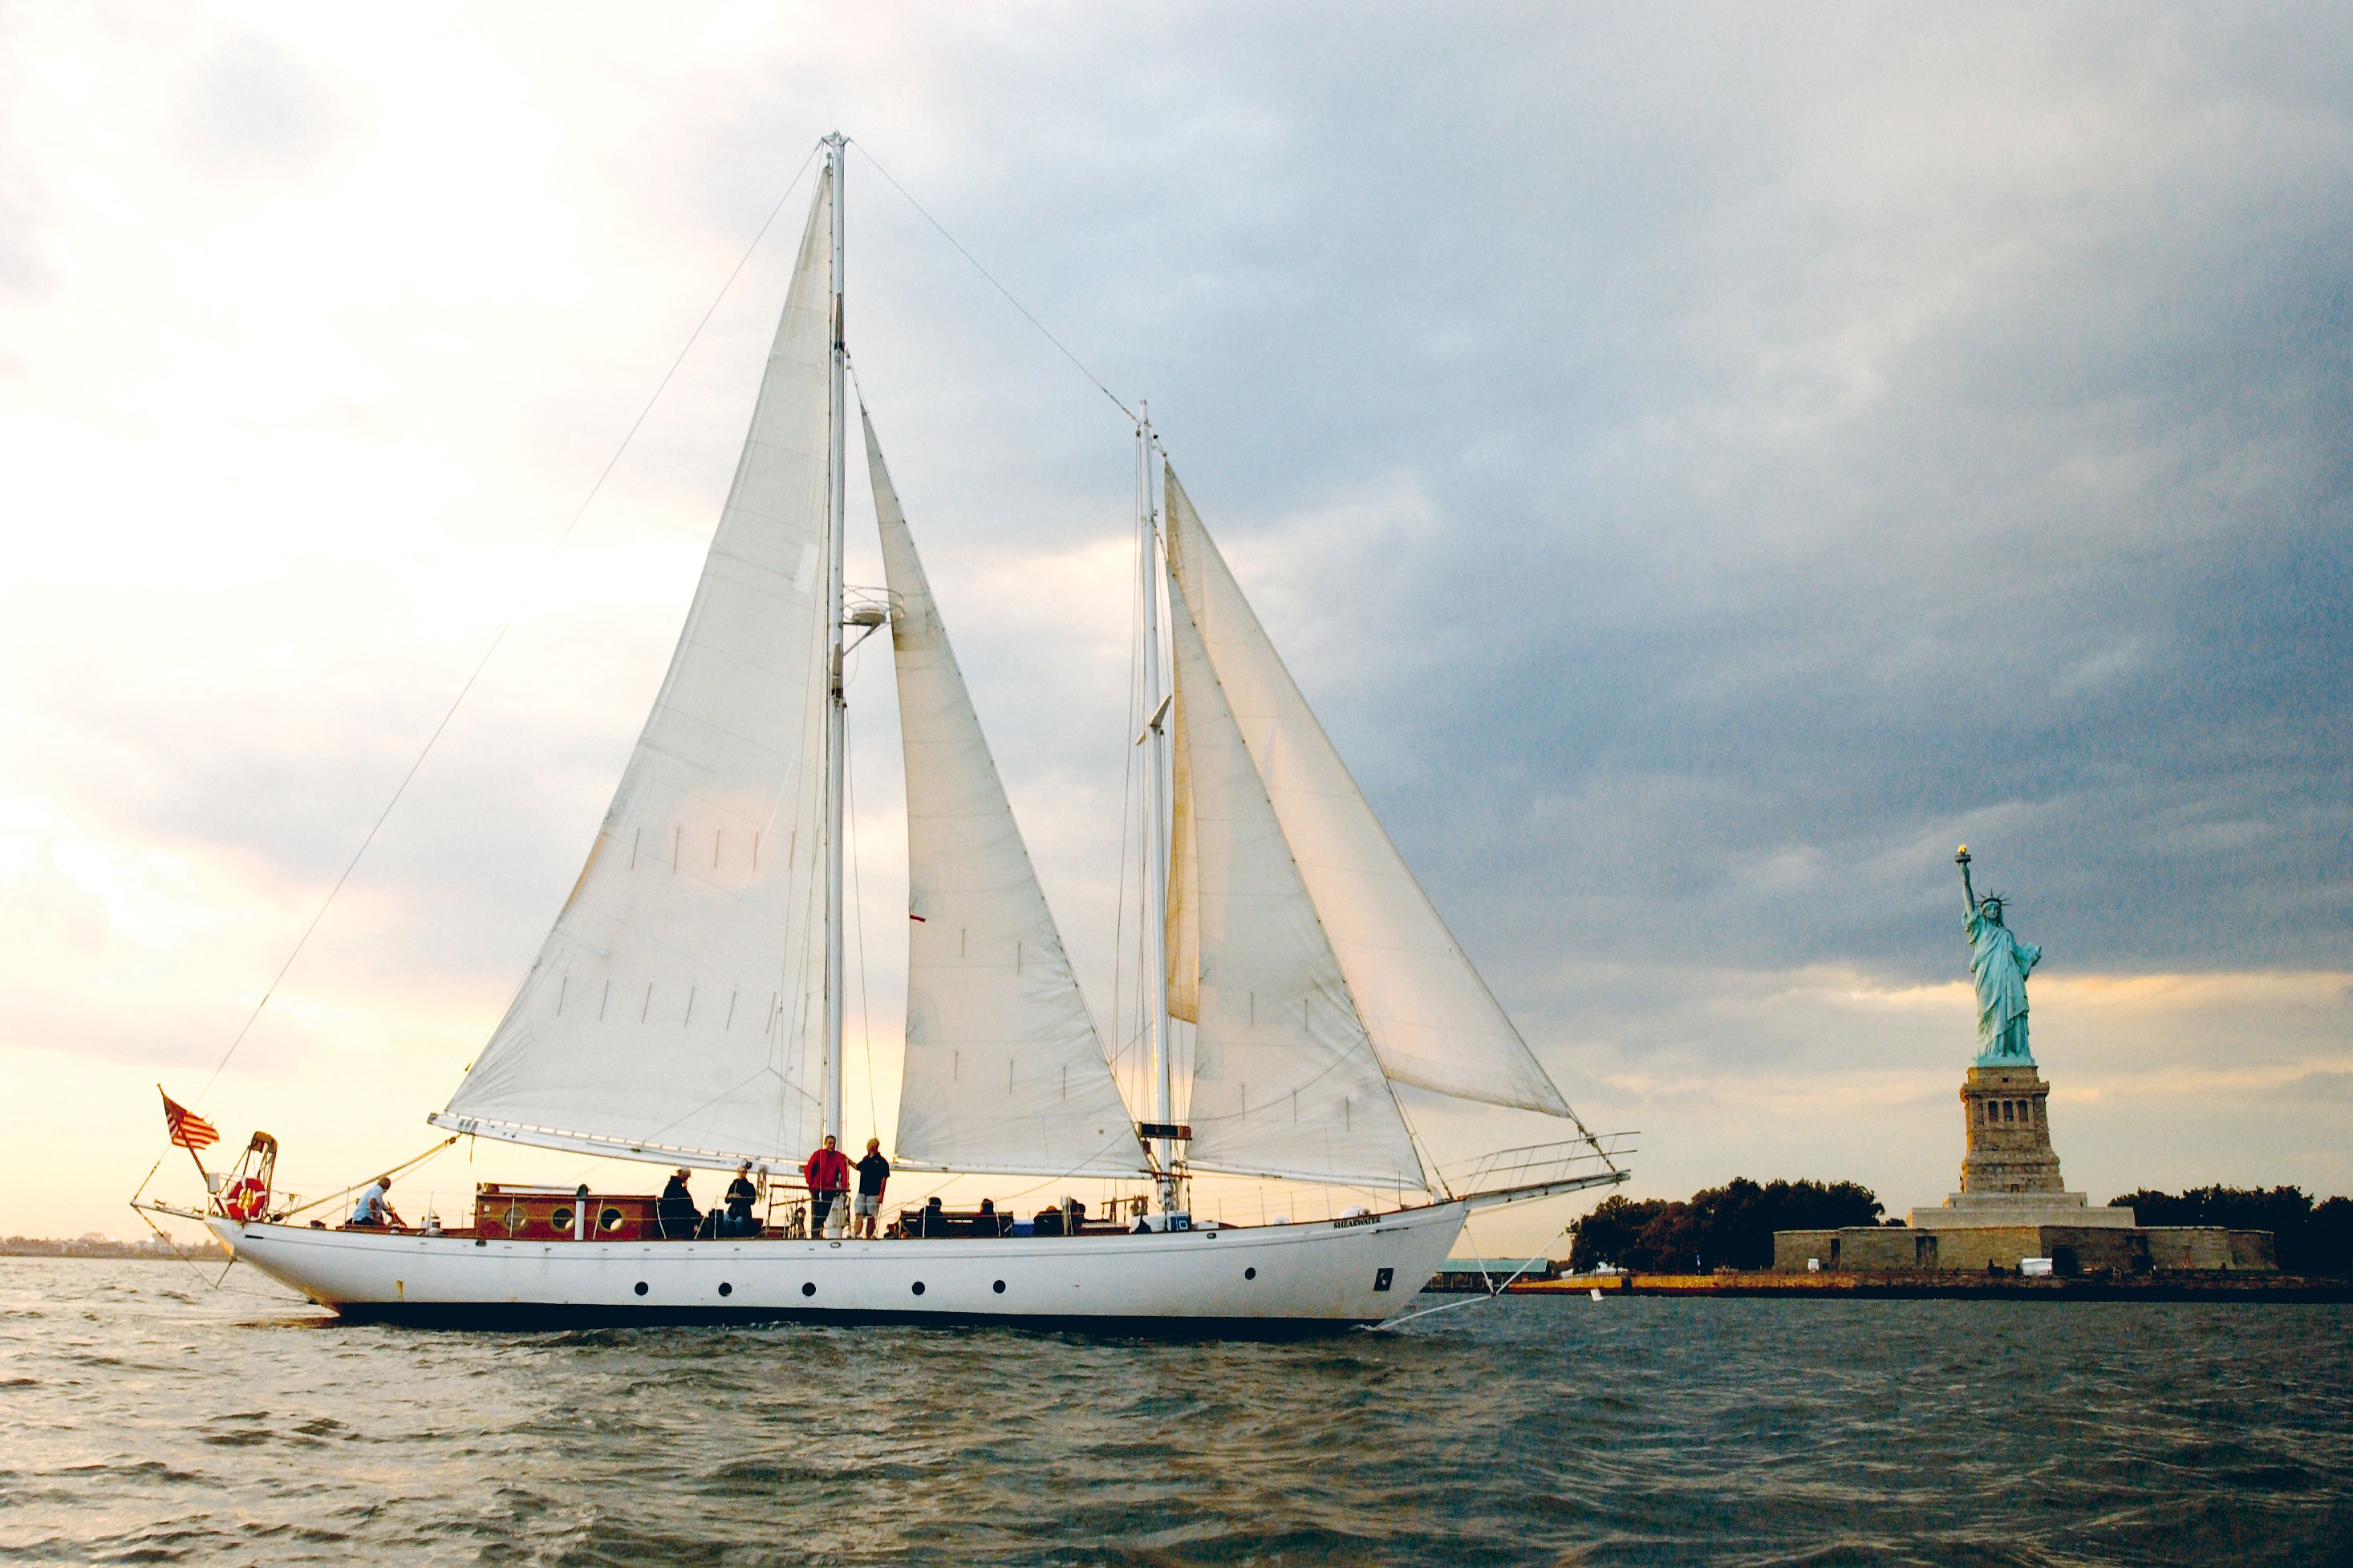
{"type": "Point", "coordinates": [561, 1219]}
{"type": "Point", "coordinates": [608, 1219]}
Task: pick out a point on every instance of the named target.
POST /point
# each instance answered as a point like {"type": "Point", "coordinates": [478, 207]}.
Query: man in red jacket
{"type": "Point", "coordinates": [827, 1176]}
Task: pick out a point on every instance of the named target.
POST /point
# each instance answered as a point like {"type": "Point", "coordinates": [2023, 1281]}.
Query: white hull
{"type": "Point", "coordinates": [1259, 1279]}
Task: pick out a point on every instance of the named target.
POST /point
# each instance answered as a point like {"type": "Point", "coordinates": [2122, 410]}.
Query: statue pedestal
{"type": "Point", "coordinates": [2009, 1175]}
{"type": "Point", "coordinates": [1972, 1211]}
{"type": "Point", "coordinates": [2005, 1120]}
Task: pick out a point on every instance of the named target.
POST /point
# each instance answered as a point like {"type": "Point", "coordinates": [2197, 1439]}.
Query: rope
{"type": "Point", "coordinates": [992, 283]}
{"type": "Point", "coordinates": [1495, 1292]}
{"type": "Point", "coordinates": [456, 702]}
{"type": "Point", "coordinates": [210, 1283]}
{"type": "Point", "coordinates": [355, 1186]}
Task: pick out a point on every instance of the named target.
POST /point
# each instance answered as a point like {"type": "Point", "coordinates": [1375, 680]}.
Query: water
{"type": "Point", "coordinates": [145, 1419]}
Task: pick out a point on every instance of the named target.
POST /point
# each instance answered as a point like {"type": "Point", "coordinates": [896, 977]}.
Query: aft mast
{"type": "Point", "coordinates": [1154, 741]}
{"type": "Point", "coordinates": [837, 712]}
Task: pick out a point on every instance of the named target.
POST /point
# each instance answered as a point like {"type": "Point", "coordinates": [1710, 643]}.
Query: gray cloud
{"type": "Point", "coordinates": [1701, 467]}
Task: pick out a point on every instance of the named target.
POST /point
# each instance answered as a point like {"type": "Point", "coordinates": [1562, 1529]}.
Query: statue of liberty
{"type": "Point", "coordinates": [1999, 964]}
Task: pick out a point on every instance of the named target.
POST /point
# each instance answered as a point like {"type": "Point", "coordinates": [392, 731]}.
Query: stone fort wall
{"type": "Point", "coordinates": [2139, 1250]}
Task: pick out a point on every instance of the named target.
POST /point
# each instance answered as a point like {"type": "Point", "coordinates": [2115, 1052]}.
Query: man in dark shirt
{"type": "Point", "coordinates": [741, 1195]}
{"type": "Point", "coordinates": [873, 1175]}
{"type": "Point", "coordinates": [676, 1212]}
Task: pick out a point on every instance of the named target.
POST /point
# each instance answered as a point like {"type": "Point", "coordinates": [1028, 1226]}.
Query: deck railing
{"type": "Point", "coordinates": [1583, 1162]}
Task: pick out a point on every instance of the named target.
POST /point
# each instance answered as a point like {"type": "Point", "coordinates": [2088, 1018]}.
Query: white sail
{"type": "Point", "coordinates": [674, 1006]}
{"type": "Point", "coordinates": [1284, 1081]}
{"type": "Point", "coordinates": [1004, 1070]}
{"type": "Point", "coordinates": [1430, 1016]}
{"type": "Point", "coordinates": [1183, 941]}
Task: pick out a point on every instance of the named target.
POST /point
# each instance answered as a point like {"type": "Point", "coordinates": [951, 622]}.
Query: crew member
{"type": "Point", "coordinates": [676, 1212]}
{"type": "Point", "coordinates": [373, 1207]}
{"type": "Point", "coordinates": [873, 1175]}
{"type": "Point", "coordinates": [741, 1195]}
{"type": "Point", "coordinates": [827, 1176]}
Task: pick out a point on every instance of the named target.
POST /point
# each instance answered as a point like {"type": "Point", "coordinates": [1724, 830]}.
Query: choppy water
{"type": "Point", "coordinates": [144, 1418]}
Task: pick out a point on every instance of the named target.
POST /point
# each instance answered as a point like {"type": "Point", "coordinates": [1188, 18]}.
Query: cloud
{"type": "Point", "coordinates": [1702, 468]}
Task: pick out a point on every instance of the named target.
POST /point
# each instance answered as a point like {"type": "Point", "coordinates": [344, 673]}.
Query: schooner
{"type": "Point", "coordinates": [686, 1007]}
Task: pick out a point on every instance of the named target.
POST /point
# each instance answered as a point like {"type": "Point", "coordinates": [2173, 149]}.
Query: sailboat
{"type": "Point", "coordinates": [686, 1008]}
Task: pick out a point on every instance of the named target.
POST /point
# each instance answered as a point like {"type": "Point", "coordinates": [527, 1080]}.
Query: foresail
{"type": "Point", "coordinates": [1004, 1070]}
{"type": "Point", "coordinates": [1284, 1081]}
{"type": "Point", "coordinates": [1430, 1016]}
{"type": "Point", "coordinates": [675, 1006]}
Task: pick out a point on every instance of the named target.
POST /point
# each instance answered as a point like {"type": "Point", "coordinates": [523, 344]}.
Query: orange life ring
{"type": "Point", "coordinates": [245, 1199]}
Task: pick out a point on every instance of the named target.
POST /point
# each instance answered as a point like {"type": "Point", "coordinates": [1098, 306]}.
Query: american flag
{"type": "Point", "coordinates": [188, 1130]}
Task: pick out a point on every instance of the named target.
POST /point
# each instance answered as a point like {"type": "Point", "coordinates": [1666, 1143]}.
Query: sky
{"type": "Point", "coordinates": [1701, 464]}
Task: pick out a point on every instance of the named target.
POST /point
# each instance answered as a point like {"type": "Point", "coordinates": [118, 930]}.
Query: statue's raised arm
{"type": "Point", "coordinates": [1968, 894]}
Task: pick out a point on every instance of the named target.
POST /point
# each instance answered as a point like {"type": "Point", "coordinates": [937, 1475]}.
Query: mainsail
{"type": "Point", "coordinates": [673, 1007]}
{"type": "Point", "coordinates": [1284, 1081]}
{"type": "Point", "coordinates": [1004, 1070]}
{"type": "Point", "coordinates": [1430, 1017]}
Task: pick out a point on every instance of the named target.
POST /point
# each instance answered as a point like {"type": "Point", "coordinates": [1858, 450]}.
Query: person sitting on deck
{"type": "Point", "coordinates": [934, 1223]}
{"type": "Point", "coordinates": [741, 1195]}
{"type": "Point", "coordinates": [676, 1214]}
{"type": "Point", "coordinates": [987, 1224]}
{"type": "Point", "coordinates": [374, 1208]}
{"type": "Point", "coordinates": [873, 1175]}
{"type": "Point", "coordinates": [827, 1176]}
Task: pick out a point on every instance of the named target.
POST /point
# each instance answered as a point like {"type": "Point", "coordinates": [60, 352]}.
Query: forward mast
{"type": "Point", "coordinates": [836, 708]}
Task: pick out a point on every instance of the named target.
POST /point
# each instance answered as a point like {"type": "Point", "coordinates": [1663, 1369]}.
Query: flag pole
{"type": "Point", "coordinates": [201, 1175]}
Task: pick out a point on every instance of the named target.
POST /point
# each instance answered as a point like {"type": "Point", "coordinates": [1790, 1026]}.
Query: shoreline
{"type": "Point", "coordinates": [2220, 1287]}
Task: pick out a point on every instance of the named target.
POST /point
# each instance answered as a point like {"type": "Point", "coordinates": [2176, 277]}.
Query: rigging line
{"type": "Point", "coordinates": [1496, 1292]}
{"type": "Point", "coordinates": [149, 1177]}
{"type": "Point", "coordinates": [210, 1284]}
{"type": "Point", "coordinates": [404, 1166]}
{"type": "Point", "coordinates": [430, 741]}
{"type": "Point", "coordinates": [1000, 287]}
{"type": "Point", "coordinates": [1118, 1042]}
{"type": "Point", "coordinates": [1132, 834]}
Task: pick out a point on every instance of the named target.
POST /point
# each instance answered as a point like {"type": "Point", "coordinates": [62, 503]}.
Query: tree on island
{"type": "Point", "coordinates": [1731, 1226]}
{"type": "Point", "coordinates": [2311, 1238]}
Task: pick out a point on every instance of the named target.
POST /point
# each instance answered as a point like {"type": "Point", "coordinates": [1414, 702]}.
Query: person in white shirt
{"type": "Point", "coordinates": [373, 1207]}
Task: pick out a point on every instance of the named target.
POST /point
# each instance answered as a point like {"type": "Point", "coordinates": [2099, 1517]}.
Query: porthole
{"type": "Point", "coordinates": [608, 1219]}
{"type": "Point", "coordinates": [998, 1286]}
{"type": "Point", "coordinates": [808, 1289]}
{"type": "Point", "coordinates": [919, 1287]}
{"type": "Point", "coordinates": [1249, 1273]}
{"type": "Point", "coordinates": [641, 1287]}
{"type": "Point", "coordinates": [560, 1220]}
{"type": "Point", "coordinates": [515, 1218]}
{"type": "Point", "coordinates": [725, 1289]}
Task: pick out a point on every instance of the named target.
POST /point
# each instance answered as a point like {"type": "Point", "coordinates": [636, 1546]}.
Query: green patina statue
{"type": "Point", "coordinates": [1999, 964]}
